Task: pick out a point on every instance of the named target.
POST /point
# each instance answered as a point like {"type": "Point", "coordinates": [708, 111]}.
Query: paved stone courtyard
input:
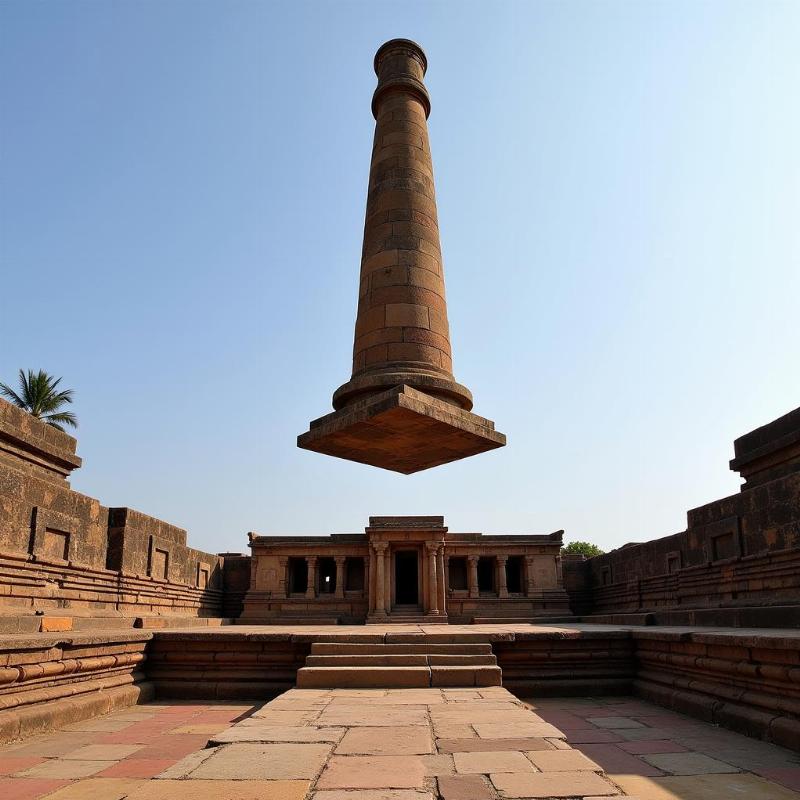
{"type": "Point", "coordinates": [406, 744]}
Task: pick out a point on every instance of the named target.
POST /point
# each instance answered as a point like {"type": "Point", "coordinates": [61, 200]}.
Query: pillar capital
{"type": "Point", "coordinates": [380, 547]}
{"type": "Point", "coordinates": [339, 559]}
{"type": "Point", "coordinates": [473, 559]}
{"type": "Point", "coordinates": [501, 559]}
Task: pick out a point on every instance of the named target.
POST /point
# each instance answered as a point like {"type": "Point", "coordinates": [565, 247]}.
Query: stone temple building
{"type": "Point", "coordinates": [405, 569]}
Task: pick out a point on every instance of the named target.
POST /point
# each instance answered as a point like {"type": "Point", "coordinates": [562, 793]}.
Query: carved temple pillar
{"type": "Point", "coordinates": [283, 577]}
{"type": "Point", "coordinates": [473, 575]}
{"type": "Point", "coordinates": [380, 580]}
{"type": "Point", "coordinates": [311, 586]}
{"type": "Point", "coordinates": [339, 591]}
{"type": "Point", "coordinates": [367, 588]}
{"type": "Point", "coordinates": [529, 582]}
{"type": "Point", "coordinates": [441, 581]}
{"type": "Point", "coordinates": [433, 593]}
{"type": "Point", "coordinates": [502, 587]}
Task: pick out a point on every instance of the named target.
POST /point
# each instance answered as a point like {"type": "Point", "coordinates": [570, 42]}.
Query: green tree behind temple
{"type": "Point", "coordinates": [582, 548]}
{"type": "Point", "coordinates": [38, 394]}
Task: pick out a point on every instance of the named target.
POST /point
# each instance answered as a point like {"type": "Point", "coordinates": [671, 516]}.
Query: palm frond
{"type": "Point", "coordinates": [8, 392]}
{"type": "Point", "coordinates": [61, 418]}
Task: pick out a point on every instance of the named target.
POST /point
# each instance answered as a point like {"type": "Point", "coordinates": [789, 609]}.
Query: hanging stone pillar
{"type": "Point", "coordinates": [402, 409]}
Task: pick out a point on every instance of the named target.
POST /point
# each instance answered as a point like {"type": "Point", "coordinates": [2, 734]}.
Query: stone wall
{"type": "Point", "coordinates": [67, 561]}
{"type": "Point", "coordinates": [737, 563]}
{"type": "Point", "coordinates": [55, 679]}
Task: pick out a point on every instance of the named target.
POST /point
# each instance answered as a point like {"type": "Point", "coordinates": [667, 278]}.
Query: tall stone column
{"type": "Point", "coordinates": [367, 590]}
{"type": "Point", "coordinates": [473, 575]}
{"type": "Point", "coordinates": [529, 579]}
{"type": "Point", "coordinates": [559, 572]}
{"type": "Point", "coordinates": [433, 594]}
{"type": "Point", "coordinates": [440, 579]}
{"type": "Point", "coordinates": [502, 587]}
{"type": "Point", "coordinates": [401, 352]}
{"type": "Point", "coordinates": [339, 591]}
{"type": "Point", "coordinates": [380, 601]}
{"type": "Point", "coordinates": [311, 586]}
{"type": "Point", "coordinates": [283, 577]}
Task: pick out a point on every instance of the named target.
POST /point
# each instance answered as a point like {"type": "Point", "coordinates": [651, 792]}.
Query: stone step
{"type": "Point", "coordinates": [535, 620]}
{"type": "Point", "coordinates": [363, 677]}
{"type": "Point", "coordinates": [399, 648]}
{"type": "Point", "coordinates": [397, 677]}
{"type": "Point", "coordinates": [395, 660]}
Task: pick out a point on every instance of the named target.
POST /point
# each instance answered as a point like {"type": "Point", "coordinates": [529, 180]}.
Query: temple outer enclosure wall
{"type": "Point", "coordinates": [66, 561]}
{"type": "Point", "coordinates": [737, 563]}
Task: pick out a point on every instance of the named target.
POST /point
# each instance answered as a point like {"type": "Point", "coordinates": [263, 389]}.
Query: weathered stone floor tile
{"type": "Point", "coordinates": [277, 733]}
{"type": "Point", "coordinates": [97, 789]}
{"type": "Point", "coordinates": [374, 794]}
{"type": "Point", "coordinates": [614, 722]}
{"type": "Point", "coordinates": [221, 790]}
{"type": "Point", "coordinates": [703, 787]}
{"type": "Point", "coordinates": [688, 763]}
{"type": "Point", "coordinates": [102, 752]}
{"type": "Point", "coordinates": [9, 766]}
{"type": "Point", "coordinates": [448, 731]}
{"type": "Point", "coordinates": [489, 745]}
{"type": "Point", "coordinates": [137, 768]}
{"type": "Point", "coordinates": [208, 729]}
{"type": "Point", "coordinates": [187, 764]}
{"type": "Point", "coordinates": [612, 759]}
{"type": "Point", "coordinates": [28, 788]}
{"type": "Point", "coordinates": [513, 730]}
{"type": "Point", "coordinates": [62, 768]}
{"type": "Point", "coordinates": [552, 784]}
{"type": "Point", "coordinates": [562, 761]}
{"type": "Point", "coordinates": [465, 787]}
{"type": "Point", "coordinates": [438, 764]}
{"type": "Point", "coordinates": [400, 741]}
{"type": "Point", "coordinates": [654, 746]}
{"type": "Point", "coordinates": [264, 762]}
{"type": "Point", "coordinates": [373, 772]}
{"type": "Point", "coordinates": [482, 763]}
{"type": "Point", "coordinates": [363, 715]}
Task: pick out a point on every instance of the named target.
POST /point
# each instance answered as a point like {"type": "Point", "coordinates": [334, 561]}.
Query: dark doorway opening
{"type": "Point", "coordinates": [514, 574]}
{"type": "Point", "coordinates": [298, 575]}
{"type": "Point", "coordinates": [486, 574]}
{"type": "Point", "coordinates": [326, 576]}
{"type": "Point", "coordinates": [406, 582]}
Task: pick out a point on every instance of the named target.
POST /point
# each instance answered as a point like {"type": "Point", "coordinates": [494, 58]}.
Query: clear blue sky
{"type": "Point", "coordinates": [182, 190]}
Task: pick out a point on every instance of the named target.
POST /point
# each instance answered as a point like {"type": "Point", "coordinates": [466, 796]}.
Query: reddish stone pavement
{"type": "Point", "coordinates": [410, 744]}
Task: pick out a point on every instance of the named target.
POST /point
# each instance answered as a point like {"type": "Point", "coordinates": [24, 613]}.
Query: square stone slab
{"type": "Point", "coordinates": [397, 741]}
{"type": "Point", "coordinates": [552, 784]}
{"type": "Point", "coordinates": [229, 790]}
{"type": "Point", "coordinates": [402, 430]}
{"type": "Point", "coordinates": [688, 763]}
{"type": "Point", "coordinates": [562, 761]}
{"type": "Point", "coordinates": [264, 762]}
{"type": "Point", "coordinates": [373, 772]}
{"type": "Point", "coordinates": [493, 761]}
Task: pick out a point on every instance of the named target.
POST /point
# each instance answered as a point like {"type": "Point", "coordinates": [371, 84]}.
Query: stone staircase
{"type": "Point", "coordinates": [331, 665]}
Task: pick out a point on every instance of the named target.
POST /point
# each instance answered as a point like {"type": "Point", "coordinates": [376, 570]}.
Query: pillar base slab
{"type": "Point", "coordinates": [402, 430]}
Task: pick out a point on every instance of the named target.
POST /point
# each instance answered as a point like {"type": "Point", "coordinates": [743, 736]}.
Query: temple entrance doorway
{"type": "Point", "coordinates": [406, 578]}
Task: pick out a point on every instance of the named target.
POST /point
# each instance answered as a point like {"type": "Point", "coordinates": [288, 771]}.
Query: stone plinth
{"type": "Point", "coordinates": [402, 430]}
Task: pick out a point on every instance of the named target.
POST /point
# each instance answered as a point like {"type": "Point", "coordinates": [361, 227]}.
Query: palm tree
{"type": "Point", "coordinates": [38, 396]}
